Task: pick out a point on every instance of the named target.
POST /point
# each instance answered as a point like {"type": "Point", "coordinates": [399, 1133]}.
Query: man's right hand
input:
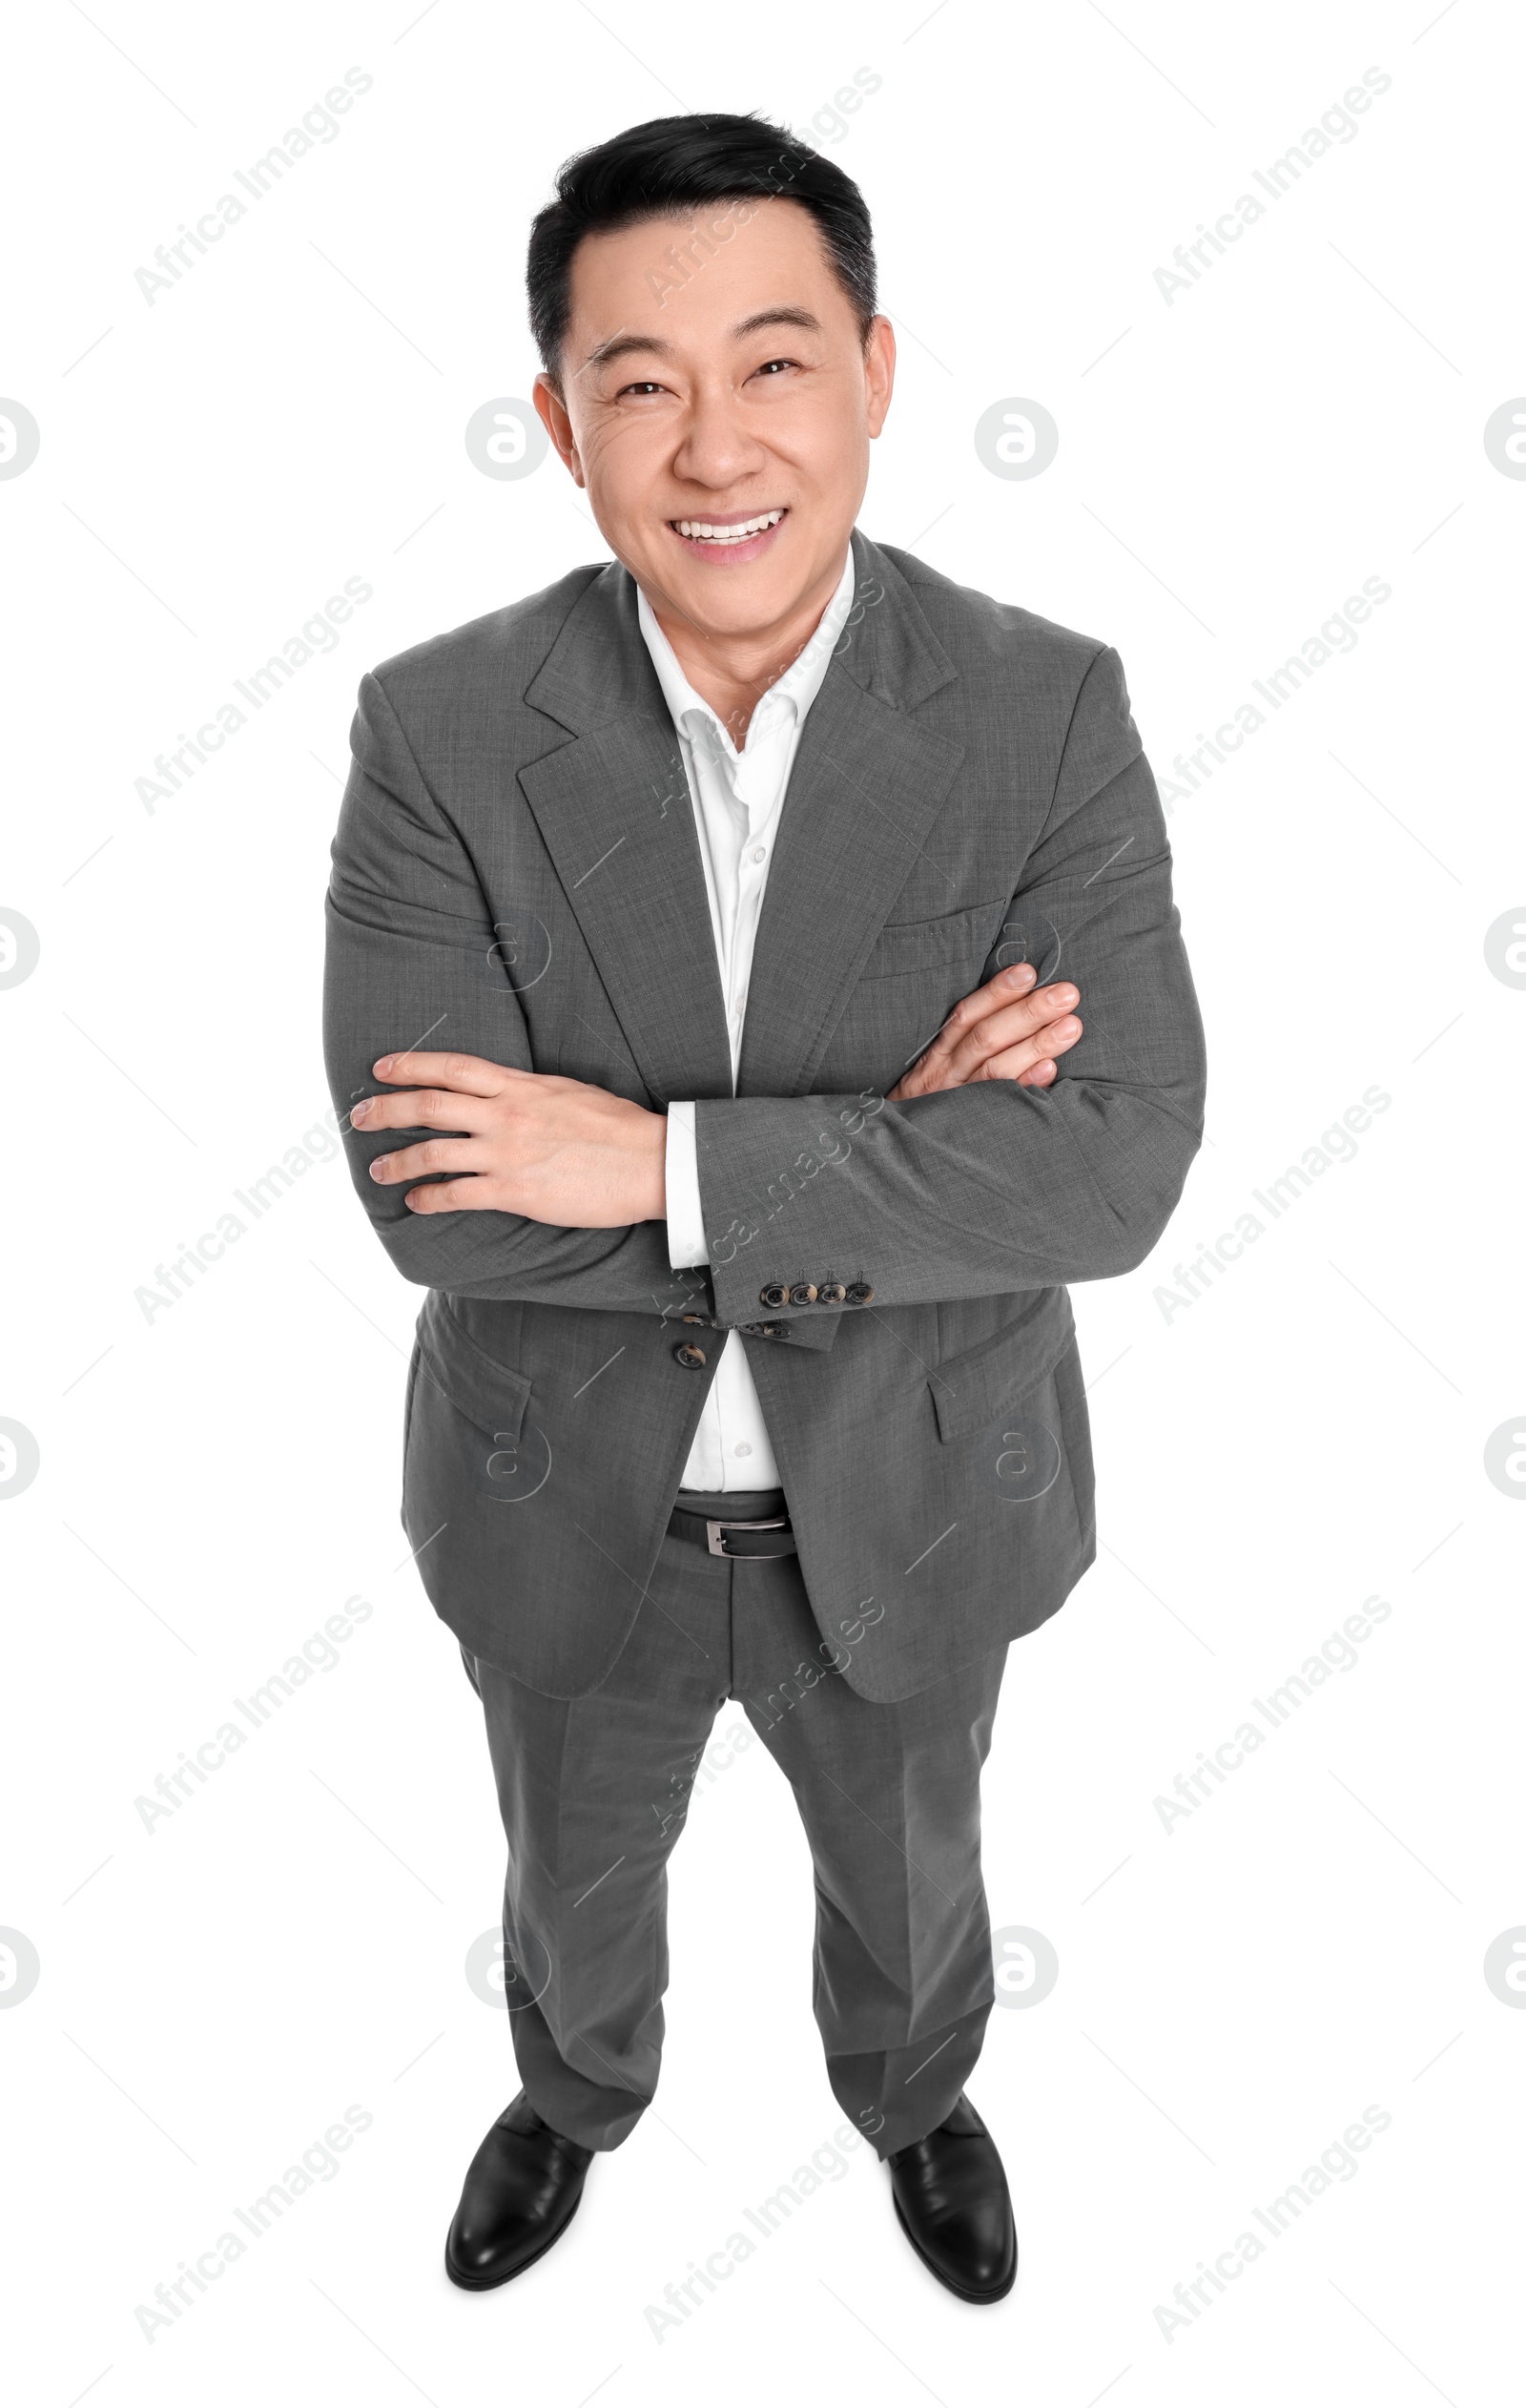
{"type": "Point", "coordinates": [1007, 1029]}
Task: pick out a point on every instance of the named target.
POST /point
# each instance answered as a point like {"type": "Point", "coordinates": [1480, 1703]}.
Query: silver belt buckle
{"type": "Point", "coordinates": [718, 1544]}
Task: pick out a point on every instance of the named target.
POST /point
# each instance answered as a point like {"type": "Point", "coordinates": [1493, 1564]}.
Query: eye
{"type": "Point", "coordinates": [644, 384]}
{"type": "Point", "coordinates": [769, 366]}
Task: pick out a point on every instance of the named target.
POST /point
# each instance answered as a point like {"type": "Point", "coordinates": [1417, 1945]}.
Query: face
{"type": "Point", "coordinates": [713, 376]}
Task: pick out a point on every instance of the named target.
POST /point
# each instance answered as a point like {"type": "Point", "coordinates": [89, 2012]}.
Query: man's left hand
{"type": "Point", "coordinates": [548, 1149]}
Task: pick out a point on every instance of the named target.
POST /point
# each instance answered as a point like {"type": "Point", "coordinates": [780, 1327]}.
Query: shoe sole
{"type": "Point", "coordinates": [971, 2298]}
{"type": "Point", "coordinates": [496, 2282]}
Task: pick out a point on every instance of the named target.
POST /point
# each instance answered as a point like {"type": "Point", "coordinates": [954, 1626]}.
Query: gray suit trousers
{"type": "Point", "coordinates": [595, 1791]}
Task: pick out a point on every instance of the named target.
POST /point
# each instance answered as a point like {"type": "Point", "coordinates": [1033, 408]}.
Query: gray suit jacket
{"type": "Point", "coordinates": [517, 875]}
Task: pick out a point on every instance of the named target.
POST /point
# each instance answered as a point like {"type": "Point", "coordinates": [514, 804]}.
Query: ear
{"type": "Point", "coordinates": [552, 411]}
{"type": "Point", "coordinates": [879, 372]}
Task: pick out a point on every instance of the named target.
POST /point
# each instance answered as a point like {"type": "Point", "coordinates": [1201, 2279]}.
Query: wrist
{"type": "Point", "coordinates": [654, 1168]}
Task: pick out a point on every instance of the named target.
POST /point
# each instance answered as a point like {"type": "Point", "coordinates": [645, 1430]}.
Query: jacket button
{"type": "Point", "coordinates": [802, 1294]}
{"type": "Point", "coordinates": [832, 1292]}
{"type": "Point", "coordinates": [692, 1357]}
{"type": "Point", "coordinates": [860, 1293]}
{"type": "Point", "coordinates": [773, 1296]}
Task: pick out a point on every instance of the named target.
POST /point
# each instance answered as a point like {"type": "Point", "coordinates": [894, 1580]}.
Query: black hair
{"type": "Point", "coordinates": [669, 168]}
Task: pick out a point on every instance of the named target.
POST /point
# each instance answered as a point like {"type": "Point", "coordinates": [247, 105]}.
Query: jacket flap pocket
{"type": "Point", "coordinates": [972, 1388]}
{"type": "Point", "coordinates": [491, 1394]}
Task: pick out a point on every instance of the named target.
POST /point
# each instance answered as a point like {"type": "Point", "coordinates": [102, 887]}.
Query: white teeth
{"type": "Point", "coordinates": [702, 530]}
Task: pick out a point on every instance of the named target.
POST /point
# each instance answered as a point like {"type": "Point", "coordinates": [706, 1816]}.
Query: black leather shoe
{"type": "Point", "coordinates": [521, 2193]}
{"type": "Point", "coordinates": [951, 2197]}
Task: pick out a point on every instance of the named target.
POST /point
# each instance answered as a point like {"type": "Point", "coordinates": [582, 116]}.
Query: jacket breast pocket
{"type": "Point", "coordinates": [974, 1388]}
{"type": "Point", "coordinates": [905, 945]}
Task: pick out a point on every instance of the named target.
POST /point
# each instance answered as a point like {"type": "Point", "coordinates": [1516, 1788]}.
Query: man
{"type": "Point", "coordinates": [730, 903]}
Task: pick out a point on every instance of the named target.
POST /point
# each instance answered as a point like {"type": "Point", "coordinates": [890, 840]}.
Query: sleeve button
{"type": "Point", "coordinates": [859, 1292]}
{"type": "Point", "coordinates": [803, 1294]}
{"type": "Point", "coordinates": [832, 1292]}
{"type": "Point", "coordinates": [773, 1296]}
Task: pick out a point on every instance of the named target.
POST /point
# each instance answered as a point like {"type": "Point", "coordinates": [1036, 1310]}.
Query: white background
{"type": "Point", "coordinates": [218, 1480]}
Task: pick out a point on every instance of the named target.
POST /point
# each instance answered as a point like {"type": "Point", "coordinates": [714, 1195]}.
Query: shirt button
{"type": "Point", "coordinates": [758, 852]}
{"type": "Point", "coordinates": [742, 1448]}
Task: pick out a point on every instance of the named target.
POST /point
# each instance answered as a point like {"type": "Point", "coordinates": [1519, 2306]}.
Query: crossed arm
{"type": "Point", "coordinates": [563, 1153]}
{"type": "Point", "coordinates": [988, 1167]}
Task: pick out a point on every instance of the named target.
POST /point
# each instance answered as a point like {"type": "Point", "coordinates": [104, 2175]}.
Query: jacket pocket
{"type": "Point", "coordinates": [971, 1389]}
{"type": "Point", "coordinates": [934, 945]}
{"type": "Point", "coordinates": [490, 1394]}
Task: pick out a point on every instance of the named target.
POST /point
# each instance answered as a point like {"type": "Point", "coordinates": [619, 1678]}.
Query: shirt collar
{"type": "Point", "coordinates": [797, 687]}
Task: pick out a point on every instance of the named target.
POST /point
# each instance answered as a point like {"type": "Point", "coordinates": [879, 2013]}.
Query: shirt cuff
{"type": "Point", "coordinates": [686, 1215]}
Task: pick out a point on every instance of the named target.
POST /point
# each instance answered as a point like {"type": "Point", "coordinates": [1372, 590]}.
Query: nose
{"type": "Point", "coordinates": [716, 449]}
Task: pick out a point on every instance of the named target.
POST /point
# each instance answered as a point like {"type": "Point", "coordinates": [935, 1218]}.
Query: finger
{"type": "Point", "coordinates": [1015, 980]}
{"type": "Point", "coordinates": [1014, 1067]}
{"type": "Point", "coordinates": [1012, 1060]}
{"type": "Point", "coordinates": [984, 1024]}
{"type": "Point", "coordinates": [455, 1195]}
{"type": "Point", "coordinates": [1019, 1023]}
{"type": "Point", "coordinates": [425, 1107]}
{"type": "Point", "coordinates": [930, 1078]}
{"type": "Point", "coordinates": [1007, 1062]}
{"type": "Point", "coordinates": [933, 1073]}
{"type": "Point", "coordinates": [1001, 1033]}
{"type": "Point", "coordinates": [436, 1153]}
{"type": "Point", "coordinates": [466, 1073]}
{"type": "Point", "coordinates": [1000, 989]}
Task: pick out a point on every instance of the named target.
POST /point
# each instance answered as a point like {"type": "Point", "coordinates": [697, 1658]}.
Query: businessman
{"type": "Point", "coordinates": [755, 988]}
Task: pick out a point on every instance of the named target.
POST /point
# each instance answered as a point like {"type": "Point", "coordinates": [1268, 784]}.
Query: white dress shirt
{"type": "Point", "coordinates": [737, 799]}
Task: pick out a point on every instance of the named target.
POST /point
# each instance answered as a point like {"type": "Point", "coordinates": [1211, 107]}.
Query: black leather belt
{"type": "Point", "coordinates": [710, 1522]}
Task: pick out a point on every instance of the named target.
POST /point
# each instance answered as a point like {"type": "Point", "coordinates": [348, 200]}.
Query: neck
{"type": "Point", "coordinates": [732, 672]}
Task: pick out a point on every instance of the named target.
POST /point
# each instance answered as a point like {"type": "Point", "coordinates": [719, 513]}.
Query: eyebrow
{"type": "Point", "coordinates": [619, 346]}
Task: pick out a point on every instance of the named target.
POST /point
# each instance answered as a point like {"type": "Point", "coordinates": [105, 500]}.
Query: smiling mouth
{"type": "Point", "coordinates": [721, 532]}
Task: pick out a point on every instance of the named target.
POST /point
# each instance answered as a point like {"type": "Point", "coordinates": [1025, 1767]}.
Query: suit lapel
{"type": "Point", "coordinates": [614, 810]}
{"type": "Point", "coordinates": [866, 786]}
{"type": "Point", "coordinates": [613, 807]}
